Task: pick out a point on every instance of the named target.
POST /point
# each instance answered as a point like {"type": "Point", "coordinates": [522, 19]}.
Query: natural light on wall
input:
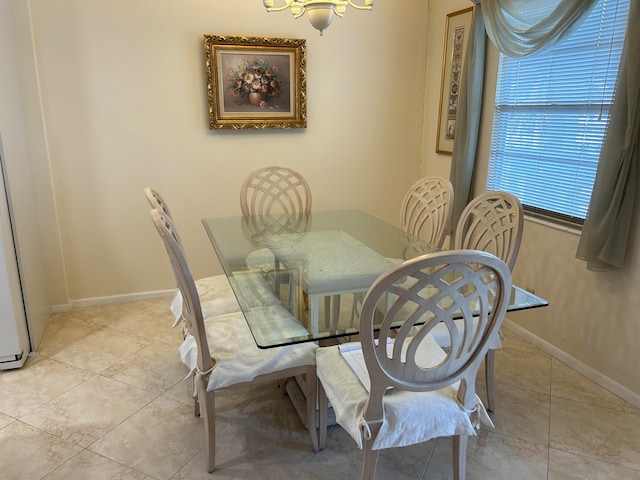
{"type": "Point", "coordinates": [320, 13]}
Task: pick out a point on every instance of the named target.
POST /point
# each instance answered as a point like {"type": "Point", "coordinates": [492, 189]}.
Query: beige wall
{"type": "Point", "coordinates": [124, 104]}
{"type": "Point", "coordinates": [592, 319]}
{"type": "Point", "coordinates": [123, 107]}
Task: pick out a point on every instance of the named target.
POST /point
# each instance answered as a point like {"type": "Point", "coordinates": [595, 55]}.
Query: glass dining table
{"type": "Point", "coordinates": [299, 278]}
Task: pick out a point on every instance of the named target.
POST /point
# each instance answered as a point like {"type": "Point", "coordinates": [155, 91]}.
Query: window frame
{"type": "Point", "coordinates": [536, 208]}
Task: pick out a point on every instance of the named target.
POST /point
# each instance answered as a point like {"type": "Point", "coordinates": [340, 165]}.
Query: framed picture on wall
{"type": "Point", "coordinates": [457, 31]}
{"type": "Point", "coordinates": [255, 82]}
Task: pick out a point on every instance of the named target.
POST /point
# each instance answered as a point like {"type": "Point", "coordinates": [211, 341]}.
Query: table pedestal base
{"type": "Point", "coordinates": [296, 394]}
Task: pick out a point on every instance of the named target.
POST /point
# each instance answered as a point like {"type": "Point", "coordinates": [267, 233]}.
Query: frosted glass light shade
{"type": "Point", "coordinates": [319, 12]}
{"type": "Point", "coordinates": [320, 16]}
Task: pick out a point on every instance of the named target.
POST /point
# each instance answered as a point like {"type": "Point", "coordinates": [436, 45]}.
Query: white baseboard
{"type": "Point", "coordinates": [61, 308]}
{"type": "Point", "coordinates": [92, 302]}
{"type": "Point", "coordinates": [605, 382]}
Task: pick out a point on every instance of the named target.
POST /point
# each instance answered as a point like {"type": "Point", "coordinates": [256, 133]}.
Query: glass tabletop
{"type": "Point", "coordinates": [296, 277]}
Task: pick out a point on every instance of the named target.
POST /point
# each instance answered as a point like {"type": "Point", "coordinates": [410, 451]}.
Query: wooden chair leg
{"type": "Point", "coordinates": [209, 414]}
{"type": "Point", "coordinates": [196, 403]}
{"type": "Point", "coordinates": [370, 461]}
{"type": "Point", "coordinates": [312, 399]}
{"type": "Point", "coordinates": [282, 383]}
{"type": "Point", "coordinates": [460, 457]}
{"type": "Point", "coordinates": [488, 369]}
{"type": "Point", "coordinates": [323, 407]}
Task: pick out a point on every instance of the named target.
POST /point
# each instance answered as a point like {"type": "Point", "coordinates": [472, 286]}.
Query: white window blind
{"type": "Point", "coordinates": [551, 114]}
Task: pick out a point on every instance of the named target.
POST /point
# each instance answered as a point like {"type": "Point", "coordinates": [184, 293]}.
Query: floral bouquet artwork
{"type": "Point", "coordinates": [255, 81]}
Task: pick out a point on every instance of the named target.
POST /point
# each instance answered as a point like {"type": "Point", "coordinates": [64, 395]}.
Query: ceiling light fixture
{"type": "Point", "coordinates": [319, 11]}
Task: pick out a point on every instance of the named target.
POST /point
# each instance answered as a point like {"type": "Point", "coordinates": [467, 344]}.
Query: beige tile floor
{"type": "Point", "coordinates": [104, 399]}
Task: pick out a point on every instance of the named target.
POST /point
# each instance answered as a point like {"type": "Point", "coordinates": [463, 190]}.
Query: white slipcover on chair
{"type": "Point", "coordinates": [220, 352]}
{"type": "Point", "coordinates": [409, 390]}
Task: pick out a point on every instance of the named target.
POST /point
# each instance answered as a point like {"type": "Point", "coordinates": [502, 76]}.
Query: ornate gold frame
{"type": "Point", "coordinates": [230, 110]}
{"type": "Point", "coordinates": [457, 31]}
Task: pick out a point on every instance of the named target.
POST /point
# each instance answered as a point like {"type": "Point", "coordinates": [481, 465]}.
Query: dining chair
{"type": "Point", "coordinates": [220, 352]}
{"type": "Point", "coordinates": [426, 210]}
{"type": "Point", "coordinates": [397, 386]}
{"type": "Point", "coordinates": [216, 295]}
{"type": "Point", "coordinates": [492, 222]}
{"type": "Point", "coordinates": [273, 200]}
{"type": "Point", "coordinates": [425, 216]}
{"type": "Point", "coordinates": [215, 292]}
{"type": "Point", "coordinates": [273, 190]}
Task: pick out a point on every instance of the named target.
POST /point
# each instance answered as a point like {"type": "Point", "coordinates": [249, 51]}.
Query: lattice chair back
{"type": "Point", "coordinates": [435, 289]}
{"type": "Point", "coordinates": [259, 228]}
{"type": "Point", "coordinates": [427, 210]}
{"type": "Point", "coordinates": [191, 308]}
{"type": "Point", "coordinates": [156, 200]}
{"type": "Point", "coordinates": [492, 222]}
{"type": "Point", "coordinates": [275, 190]}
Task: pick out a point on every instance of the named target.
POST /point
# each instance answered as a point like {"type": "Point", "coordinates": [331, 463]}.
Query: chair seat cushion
{"type": "Point", "coordinates": [273, 323]}
{"type": "Point", "coordinates": [217, 296]}
{"type": "Point", "coordinates": [236, 356]}
{"type": "Point", "coordinates": [410, 417]}
{"type": "Point", "coordinates": [254, 289]}
{"type": "Point", "coordinates": [262, 260]}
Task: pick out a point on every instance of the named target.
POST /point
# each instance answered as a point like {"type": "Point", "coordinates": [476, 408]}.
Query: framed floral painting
{"type": "Point", "coordinates": [457, 31]}
{"type": "Point", "coordinates": [255, 82]}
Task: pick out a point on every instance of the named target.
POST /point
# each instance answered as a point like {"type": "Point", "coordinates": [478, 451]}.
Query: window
{"type": "Point", "coordinates": [551, 114]}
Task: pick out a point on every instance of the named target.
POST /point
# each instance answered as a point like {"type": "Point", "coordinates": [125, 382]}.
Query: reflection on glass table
{"type": "Point", "coordinates": [333, 256]}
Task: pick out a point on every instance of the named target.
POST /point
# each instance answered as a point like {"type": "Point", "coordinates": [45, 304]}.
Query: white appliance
{"type": "Point", "coordinates": [15, 343]}
{"type": "Point", "coordinates": [28, 223]}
